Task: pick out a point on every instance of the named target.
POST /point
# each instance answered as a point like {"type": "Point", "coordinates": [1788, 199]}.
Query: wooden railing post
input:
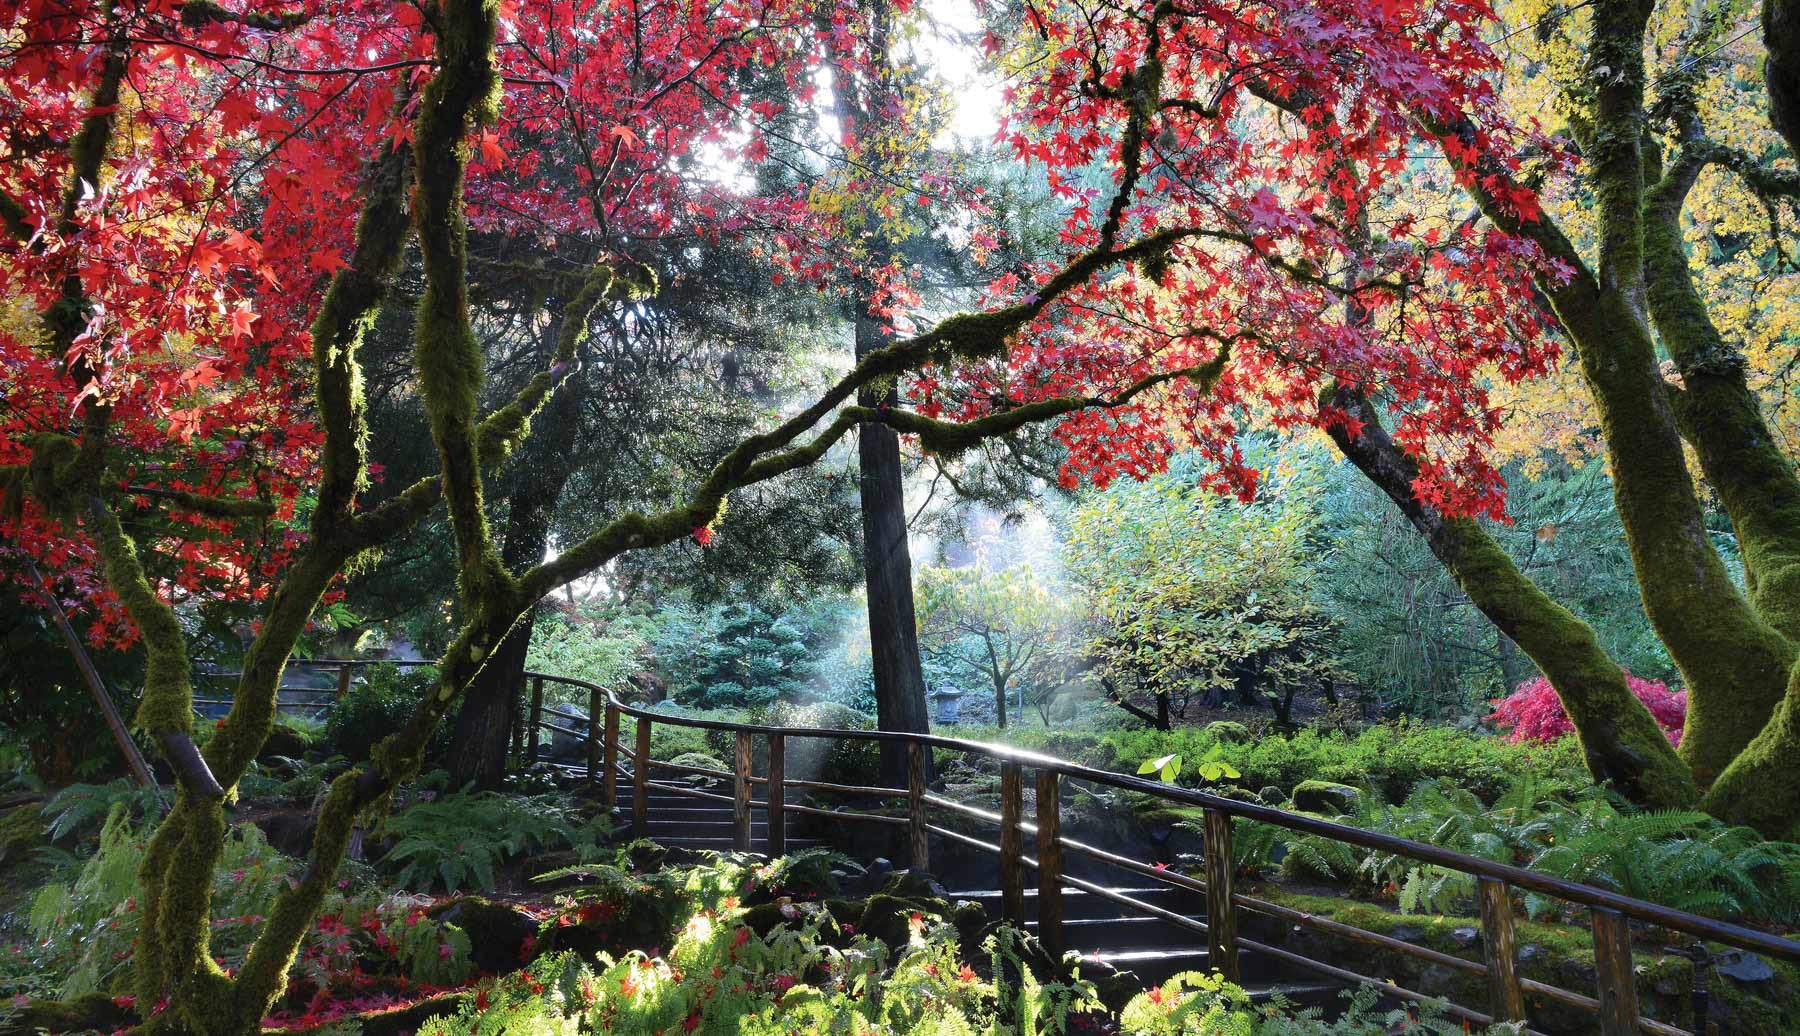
{"type": "Point", "coordinates": [609, 781]}
{"type": "Point", "coordinates": [1612, 963]}
{"type": "Point", "coordinates": [777, 814]}
{"type": "Point", "coordinates": [640, 781]}
{"type": "Point", "coordinates": [1012, 844]}
{"type": "Point", "coordinates": [593, 735]}
{"type": "Point", "coordinates": [1049, 854]}
{"type": "Point", "coordinates": [1221, 912]}
{"type": "Point", "coordinates": [740, 795]}
{"type": "Point", "coordinates": [343, 681]}
{"type": "Point", "coordinates": [915, 806]}
{"type": "Point", "coordinates": [1506, 998]}
{"type": "Point", "coordinates": [536, 717]}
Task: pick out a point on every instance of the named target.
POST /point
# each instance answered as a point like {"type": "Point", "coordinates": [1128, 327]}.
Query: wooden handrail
{"type": "Point", "coordinates": [1616, 1005]}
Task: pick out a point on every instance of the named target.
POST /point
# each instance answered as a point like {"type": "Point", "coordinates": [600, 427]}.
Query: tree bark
{"type": "Point", "coordinates": [887, 558]}
{"type": "Point", "coordinates": [490, 704]}
{"type": "Point", "coordinates": [887, 568]}
{"type": "Point", "coordinates": [1619, 738]}
{"type": "Point", "coordinates": [1761, 787]}
{"type": "Point", "coordinates": [1718, 413]}
{"type": "Point", "coordinates": [1734, 663]}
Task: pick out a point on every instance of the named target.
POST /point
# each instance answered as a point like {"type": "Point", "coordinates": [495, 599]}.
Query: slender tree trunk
{"type": "Point", "coordinates": [1621, 741]}
{"type": "Point", "coordinates": [490, 704]}
{"type": "Point", "coordinates": [887, 567]}
{"type": "Point", "coordinates": [887, 559]}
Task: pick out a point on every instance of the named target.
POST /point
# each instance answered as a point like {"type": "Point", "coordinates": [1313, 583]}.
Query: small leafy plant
{"type": "Point", "coordinates": [457, 841]}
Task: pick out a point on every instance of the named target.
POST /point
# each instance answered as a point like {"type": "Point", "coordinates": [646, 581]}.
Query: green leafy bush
{"type": "Point", "coordinates": [806, 974]}
{"type": "Point", "coordinates": [77, 809]}
{"type": "Point", "coordinates": [1388, 758]}
{"type": "Point", "coordinates": [838, 761]}
{"type": "Point", "coordinates": [378, 704]}
{"type": "Point", "coordinates": [457, 841]}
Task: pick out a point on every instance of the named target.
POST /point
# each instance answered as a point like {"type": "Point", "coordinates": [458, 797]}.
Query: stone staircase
{"type": "Point", "coordinates": [1100, 929]}
{"type": "Point", "coordinates": [691, 822]}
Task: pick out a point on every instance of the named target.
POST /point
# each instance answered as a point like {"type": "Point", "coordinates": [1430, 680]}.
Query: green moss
{"type": "Point", "coordinates": [1761, 787]}
{"type": "Point", "coordinates": [1325, 797]}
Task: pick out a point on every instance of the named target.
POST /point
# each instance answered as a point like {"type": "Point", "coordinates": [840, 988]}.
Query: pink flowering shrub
{"type": "Point", "coordinates": [1533, 712]}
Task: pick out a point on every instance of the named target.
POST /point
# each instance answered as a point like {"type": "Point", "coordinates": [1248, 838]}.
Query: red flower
{"type": "Point", "coordinates": [783, 983]}
{"type": "Point", "coordinates": [703, 535]}
{"type": "Point", "coordinates": [967, 974]}
{"type": "Point", "coordinates": [692, 1022]}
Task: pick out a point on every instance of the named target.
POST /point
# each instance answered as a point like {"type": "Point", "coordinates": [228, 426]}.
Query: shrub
{"type": "Point", "coordinates": [85, 926]}
{"type": "Point", "coordinates": [379, 704]}
{"type": "Point", "coordinates": [458, 841]}
{"type": "Point", "coordinates": [1533, 712]}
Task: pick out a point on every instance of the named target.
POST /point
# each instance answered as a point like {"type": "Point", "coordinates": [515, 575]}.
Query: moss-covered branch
{"type": "Point", "coordinates": [345, 315]}
{"type": "Point", "coordinates": [1734, 663]}
{"type": "Point", "coordinates": [1719, 414]}
{"type": "Point", "coordinates": [1620, 740]}
{"type": "Point", "coordinates": [201, 13]}
{"type": "Point", "coordinates": [447, 355]}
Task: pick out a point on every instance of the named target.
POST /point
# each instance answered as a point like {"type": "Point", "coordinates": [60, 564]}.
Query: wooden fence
{"type": "Point", "coordinates": [1613, 1002]}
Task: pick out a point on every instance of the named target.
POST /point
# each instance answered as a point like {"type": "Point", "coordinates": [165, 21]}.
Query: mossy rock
{"type": "Point", "coordinates": [644, 920]}
{"type": "Point", "coordinates": [1236, 794]}
{"type": "Point", "coordinates": [889, 918]}
{"type": "Point", "coordinates": [284, 742]}
{"type": "Point", "coordinates": [1227, 731]}
{"type": "Point", "coordinates": [92, 1012]}
{"type": "Point", "coordinates": [1272, 796]}
{"type": "Point", "coordinates": [700, 759]}
{"type": "Point", "coordinates": [498, 933]}
{"type": "Point", "coordinates": [1326, 797]}
{"type": "Point", "coordinates": [914, 884]}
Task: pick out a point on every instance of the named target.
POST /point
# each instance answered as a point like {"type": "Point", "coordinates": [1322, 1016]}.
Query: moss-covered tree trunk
{"type": "Point", "coordinates": [489, 706]}
{"type": "Point", "coordinates": [1620, 740]}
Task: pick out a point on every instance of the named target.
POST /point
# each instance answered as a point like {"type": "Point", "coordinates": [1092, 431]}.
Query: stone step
{"type": "Point", "coordinates": [758, 843]}
{"type": "Point", "coordinates": [1078, 903]}
{"type": "Point", "coordinates": [721, 827]}
{"type": "Point", "coordinates": [1124, 933]}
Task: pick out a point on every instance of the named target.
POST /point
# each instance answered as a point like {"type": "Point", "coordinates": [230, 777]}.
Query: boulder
{"type": "Point", "coordinates": [1227, 731]}
{"type": "Point", "coordinates": [1325, 797]}
{"type": "Point", "coordinates": [498, 933]}
{"type": "Point", "coordinates": [283, 742]}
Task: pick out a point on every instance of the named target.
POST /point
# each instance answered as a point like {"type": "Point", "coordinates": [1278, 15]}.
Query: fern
{"type": "Point", "coordinates": [1678, 858]}
{"type": "Point", "coordinates": [79, 807]}
{"type": "Point", "coordinates": [458, 841]}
